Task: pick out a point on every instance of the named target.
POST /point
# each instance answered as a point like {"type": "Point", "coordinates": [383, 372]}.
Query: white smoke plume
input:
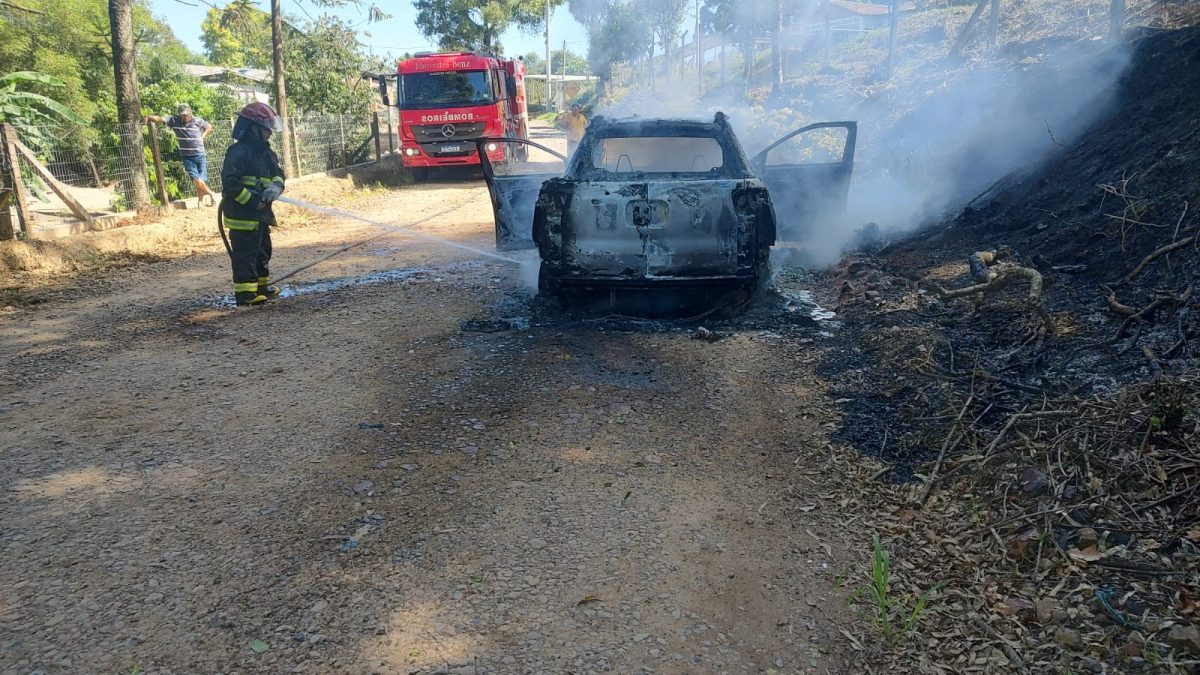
{"type": "Point", "coordinates": [927, 145]}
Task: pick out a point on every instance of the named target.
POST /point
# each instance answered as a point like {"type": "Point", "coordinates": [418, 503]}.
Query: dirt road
{"type": "Point", "coordinates": [409, 468]}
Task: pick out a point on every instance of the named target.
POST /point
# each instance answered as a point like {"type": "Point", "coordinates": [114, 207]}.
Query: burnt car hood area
{"type": "Point", "coordinates": [658, 217]}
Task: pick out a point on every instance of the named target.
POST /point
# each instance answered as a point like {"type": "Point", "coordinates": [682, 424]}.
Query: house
{"type": "Point", "coordinates": [248, 84]}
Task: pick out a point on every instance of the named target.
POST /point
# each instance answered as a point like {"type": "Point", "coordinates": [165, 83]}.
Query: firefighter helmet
{"type": "Point", "coordinates": [263, 115]}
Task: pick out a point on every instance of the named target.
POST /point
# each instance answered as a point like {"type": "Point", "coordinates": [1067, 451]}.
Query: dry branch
{"type": "Point", "coordinates": [1002, 279]}
{"type": "Point", "coordinates": [1158, 253]}
{"type": "Point", "coordinates": [1008, 650]}
{"type": "Point", "coordinates": [937, 466]}
{"type": "Point", "coordinates": [1115, 305]}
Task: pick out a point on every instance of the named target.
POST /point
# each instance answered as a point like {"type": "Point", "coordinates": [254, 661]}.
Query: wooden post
{"type": "Point", "coordinates": [994, 24]}
{"type": "Point", "coordinates": [8, 139]}
{"type": "Point", "coordinates": [965, 35]}
{"type": "Point", "coordinates": [342, 135]}
{"type": "Point", "coordinates": [158, 165]}
{"type": "Point", "coordinates": [63, 192]}
{"type": "Point", "coordinates": [6, 226]}
{"type": "Point", "coordinates": [1116, 20]}
{"type": "Point", "coordinates": [291, 128]}
{"type": "Point", "coordinates": [391, 141]}
{"type": "Point", "coordinates": [375, 133]}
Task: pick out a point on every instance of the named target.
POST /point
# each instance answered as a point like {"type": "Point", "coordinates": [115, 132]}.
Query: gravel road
{"type": "Point", "coordinates": [406, 466]}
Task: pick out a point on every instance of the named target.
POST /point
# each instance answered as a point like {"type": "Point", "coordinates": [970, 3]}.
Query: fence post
{"type": "Point", "coordinates": [291, 128]}
{"type": "Point", "coordinates": [391, 142]}
{"type": "Point", "coordinates": [342, 134]}
{"type": "Point", "coordinates": [158, 164]}
{"type": "Point", "coordinates": [9, 148]}
{"type": "Point", "coordinates": [375, 133]}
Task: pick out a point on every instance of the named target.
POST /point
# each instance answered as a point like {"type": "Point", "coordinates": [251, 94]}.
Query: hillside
{"type": "Point", "coordinates": [1050, 415]}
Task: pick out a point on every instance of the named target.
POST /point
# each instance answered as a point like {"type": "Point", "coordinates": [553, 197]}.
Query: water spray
{"type": "Point", "coordinates": [387, 227]}
{"type": "Point", "coordinates": [401, 228]}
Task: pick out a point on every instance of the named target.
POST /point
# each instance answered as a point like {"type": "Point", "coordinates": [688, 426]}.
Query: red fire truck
{"type": "Point", "coordinates": [448, 100]}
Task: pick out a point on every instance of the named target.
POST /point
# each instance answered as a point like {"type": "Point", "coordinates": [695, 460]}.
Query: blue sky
{"type": "Point", "coordinates": [394, 36]}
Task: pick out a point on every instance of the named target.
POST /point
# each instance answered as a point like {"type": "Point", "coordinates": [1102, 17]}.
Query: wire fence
{"type": "Point", "coordinates": [99, 165]}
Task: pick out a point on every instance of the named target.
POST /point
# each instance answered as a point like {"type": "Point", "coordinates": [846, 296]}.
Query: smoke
{"type": "Point", "coordinates": [928, 144]}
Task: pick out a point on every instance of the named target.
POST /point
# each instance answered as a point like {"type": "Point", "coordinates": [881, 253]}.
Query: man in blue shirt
{"type": "Point", "coordinates": [191, 131]}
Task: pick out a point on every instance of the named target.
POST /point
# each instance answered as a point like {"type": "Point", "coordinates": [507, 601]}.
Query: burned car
{"type": "Point", "coordinates": [661, 216]}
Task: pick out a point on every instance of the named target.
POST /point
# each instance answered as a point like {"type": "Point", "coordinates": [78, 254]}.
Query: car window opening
{"type": "Point", "coordinates": [658, 154]}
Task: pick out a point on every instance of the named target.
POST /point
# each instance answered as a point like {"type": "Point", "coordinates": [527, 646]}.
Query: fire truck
{"type": "Point", "coordinates": [448, 100]}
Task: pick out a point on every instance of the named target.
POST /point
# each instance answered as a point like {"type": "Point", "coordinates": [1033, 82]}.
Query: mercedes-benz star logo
{"type": "Point", "coordinates": [448, 130]}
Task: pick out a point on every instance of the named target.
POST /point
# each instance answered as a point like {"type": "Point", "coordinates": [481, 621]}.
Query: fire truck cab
{"type": "Point", "coordinates": [448, 100]}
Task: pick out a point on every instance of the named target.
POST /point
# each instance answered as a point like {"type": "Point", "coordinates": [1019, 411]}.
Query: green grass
{"type": "Point", "coordinates": [890, 614]}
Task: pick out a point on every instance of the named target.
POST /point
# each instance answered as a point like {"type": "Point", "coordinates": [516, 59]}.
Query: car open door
{"type": "Point", "coordinates": [515, 170]}
{"type": "Point", "coordinates": [808, 173]}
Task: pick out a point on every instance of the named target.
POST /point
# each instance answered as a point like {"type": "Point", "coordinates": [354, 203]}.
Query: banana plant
{"type": "Point", "coordinates": [29, 112]}
{"type": "Point", "coordinates": [32, 114]}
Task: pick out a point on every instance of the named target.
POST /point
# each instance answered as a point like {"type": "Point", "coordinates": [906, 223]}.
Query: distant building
{"type": "Point", "coordinates": [248, 84]}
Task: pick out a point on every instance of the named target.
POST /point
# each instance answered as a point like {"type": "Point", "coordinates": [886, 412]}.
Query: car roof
{"type": "Point", "coordinates": [638, 126]}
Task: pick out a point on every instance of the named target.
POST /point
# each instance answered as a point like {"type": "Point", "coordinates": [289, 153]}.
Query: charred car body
{"type": "Point", "coordinates": [659, 216]}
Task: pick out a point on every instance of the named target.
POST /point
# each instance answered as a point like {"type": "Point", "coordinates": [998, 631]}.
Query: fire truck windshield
{"type": "Point", "coordinates": [450, 88]}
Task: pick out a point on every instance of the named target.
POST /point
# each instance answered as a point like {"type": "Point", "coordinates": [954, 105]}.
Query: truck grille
{"type": "Point", "coordinates": [463, 131]}
{"type": "Point", "coordinates": [448, 149]}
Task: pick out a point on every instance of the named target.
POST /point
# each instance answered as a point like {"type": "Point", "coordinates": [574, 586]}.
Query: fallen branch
{"type": "Point", "coordinates": [937, 466]}
{"type": "Point", "coordinates": [1008, 650]}
{"type": "Point", "coordinates": [1002, 279]}
{"type": "Point", "coordinates": [1115, 305]}
{"type": "Point", "coordinates": [1149, 310]}
{"type": "Point", "coordinates": [1156, 254]}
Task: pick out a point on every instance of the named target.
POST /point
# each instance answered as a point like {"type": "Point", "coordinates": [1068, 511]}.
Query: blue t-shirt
{"type": "Point", "coordinates": [190, 135]}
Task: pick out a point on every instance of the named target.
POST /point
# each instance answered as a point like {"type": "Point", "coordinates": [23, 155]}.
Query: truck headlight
{"type": "Point", "coordinates": [411, 152]}
{"type": "Point", "coordinates": [492, 147]}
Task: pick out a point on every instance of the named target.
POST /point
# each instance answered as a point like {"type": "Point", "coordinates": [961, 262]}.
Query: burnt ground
{"type": "Point", "coordinates": [1051, 442]}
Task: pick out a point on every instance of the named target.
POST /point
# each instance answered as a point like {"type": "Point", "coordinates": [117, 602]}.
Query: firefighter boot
{"type": "Point", "coordinates": [267, 291]}
{"type": "Point", "coordinates": [249, 298]}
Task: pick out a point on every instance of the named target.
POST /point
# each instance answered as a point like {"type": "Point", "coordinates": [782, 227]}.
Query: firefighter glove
{"type": "Point", "coordinates": [271, 192]}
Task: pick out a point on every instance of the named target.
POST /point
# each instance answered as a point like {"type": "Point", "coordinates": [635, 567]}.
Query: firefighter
{"type": "Point", "coordinates": [251, 180]}
{"type": "Point", "coordinates": [574, 122]}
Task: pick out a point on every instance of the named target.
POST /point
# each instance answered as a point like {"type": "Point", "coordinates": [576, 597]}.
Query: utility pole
{"type": "Point", "coordinates": [895, 20]}
{"type": "Point", "coordinates": [129, 103]}
{"type": "Point", "coordinates": [281, 104]}
{"type": "Point", "coordinates": [1116, 20]}
{"type": "Point", "coordinates": [699, 56]}
{"type": "Point", "coordinates": [994, 24]}
{"type": "Point", "coordinates": [562, 83]}
{"type": "Point", "coordinates": [549, 72]}
{"type": "Point", "coordinates": [825, 36]}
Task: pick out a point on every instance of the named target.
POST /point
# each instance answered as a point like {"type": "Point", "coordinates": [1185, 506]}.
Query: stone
{"type": "Point", "coordinates": [1086, 537]}
{"type": "Point", "coordinates": [1021, 608]}
{"type": "Point", "coordinates": [1184, 638]}
{"type": "Point", "coordinates": [1034, 482]}
{"type": "Point", "coordinates": [1069, 638]}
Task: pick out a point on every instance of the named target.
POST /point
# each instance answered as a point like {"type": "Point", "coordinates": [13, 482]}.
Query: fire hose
{"type": "Point", "coordinates": [388, 229]}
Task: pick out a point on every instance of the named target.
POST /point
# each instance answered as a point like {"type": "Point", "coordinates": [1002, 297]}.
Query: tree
{"type": "Point", "coordinates": [616, 32]}
{"type": "Point", "coordinates": [324, 63]}
{"type": "Point", "coordinates": [473, 25]}
{"type": "Point", "coordinates": [665, 18]}
{"type": "Point", "coordinates": [237, 36]}
{"type": "Point", "coordinates": [746, 21]}
{"type": "Point", "coordinates": [129, 105]}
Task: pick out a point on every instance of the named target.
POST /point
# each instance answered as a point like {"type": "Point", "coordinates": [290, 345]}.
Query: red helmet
{"type": "Point", "coordinates": [262, 115]}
